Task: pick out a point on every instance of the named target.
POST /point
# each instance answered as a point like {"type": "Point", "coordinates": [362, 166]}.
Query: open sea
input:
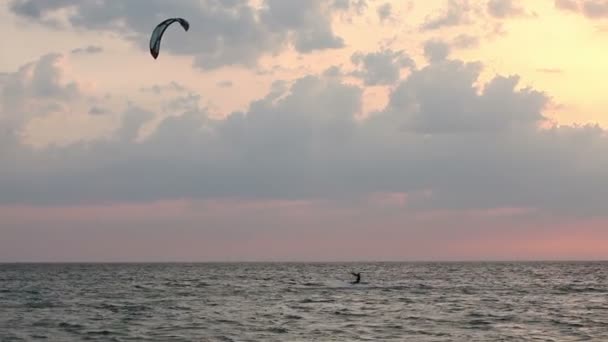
{"type": "Point", "coordinates": [536, 301]}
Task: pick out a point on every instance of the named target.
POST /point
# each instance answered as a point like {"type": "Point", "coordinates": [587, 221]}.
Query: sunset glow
{"type": "Point", "coordinates": [319, 130]}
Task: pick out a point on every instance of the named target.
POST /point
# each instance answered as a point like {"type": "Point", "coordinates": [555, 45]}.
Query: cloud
{"type": "Point", "coordinates": [457, 13]}
{"type": "Point", "coordinates": [222, 33]}
{"type": "Point", "coordinates": [358, 6]}
{"type": "Point", "coordinates": [436, 50]}
{"type": "Point", "coordinates": [165, 88]}
{"type": "Point", "coordinates": [465, 41]}
{"type": "Point", "coordinates": [384, 11]}
{"type": "Point", "coordinates": [595, 8]}
{"type": "Point", "coordinates": [36, 89]}
{"type": "Point", "coordinates": [592, 9]}
{"type": "Point", "coordinates": [464, 144]}
{"type": "Point", "coordinates": [44, 101]}
{"type": "Point", "coordinates": [499, 107]}
{"type": "Point", "coordinates": [570, 5]}
{"type": "Point", "coordinates": [97, 111]}
{"type": "Point", "coordinates": [309, 20]}
{"type": "Point", "coordinates": [225, 84]}
{"type": "Point", "coordinates": [550, 70]}
{"type": "Point", "coordinates": [333, 71]}
{"type": "Point", "coordinates": [132, 121]}
{"type": "Point", "coordinates": [91, 49]}
{"type": "Point", "coordinates": [382, 67]}
{"type": "Point", "coordinates": [504, 8]}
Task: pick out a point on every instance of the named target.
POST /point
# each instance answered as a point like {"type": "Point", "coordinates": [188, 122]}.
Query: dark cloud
{"type": "Point", "coordinates": [221, 33]}
{"type": "Point", "coordinates": [382, 67]}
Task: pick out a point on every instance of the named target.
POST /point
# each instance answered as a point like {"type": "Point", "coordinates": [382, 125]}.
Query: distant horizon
{"type": "Point", "coordinates": [305, 261]}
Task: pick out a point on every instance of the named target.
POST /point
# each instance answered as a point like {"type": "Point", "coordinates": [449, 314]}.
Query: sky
{"type": "Point", "coordinates": [304, 130]}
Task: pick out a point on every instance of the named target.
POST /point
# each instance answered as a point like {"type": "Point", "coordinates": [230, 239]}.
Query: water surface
{"type": "Point", "coordinates": [304, 302]}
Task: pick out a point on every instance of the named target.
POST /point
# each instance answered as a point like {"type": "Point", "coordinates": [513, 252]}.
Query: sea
{"type": "Point", "coordinates": [469, 301]}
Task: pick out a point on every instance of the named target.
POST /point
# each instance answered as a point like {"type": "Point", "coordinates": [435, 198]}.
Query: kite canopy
{"type": "Point", "coordinates": [159, 30]}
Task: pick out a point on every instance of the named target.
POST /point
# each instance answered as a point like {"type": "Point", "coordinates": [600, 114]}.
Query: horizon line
{"type": "Point", "coordinates": [310, 261]}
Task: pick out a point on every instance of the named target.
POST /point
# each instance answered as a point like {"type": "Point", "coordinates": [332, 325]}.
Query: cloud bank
{"type": "Point", "coordinates": [467, 146]}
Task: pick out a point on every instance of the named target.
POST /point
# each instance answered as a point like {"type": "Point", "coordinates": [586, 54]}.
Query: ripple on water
{"type": "Point", "coordinates": [295, 302]}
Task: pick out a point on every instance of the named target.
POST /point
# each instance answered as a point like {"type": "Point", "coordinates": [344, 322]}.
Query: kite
{"type": "Point", "coordinates": [159, 30]}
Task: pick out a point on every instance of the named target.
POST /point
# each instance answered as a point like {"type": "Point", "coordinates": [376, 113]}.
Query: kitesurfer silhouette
{"type": "Point", "coordinates": [358, 275]}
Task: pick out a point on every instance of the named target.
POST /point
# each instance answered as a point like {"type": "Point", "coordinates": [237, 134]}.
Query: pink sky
{"type": "Point", "coordinates": [271, 231]}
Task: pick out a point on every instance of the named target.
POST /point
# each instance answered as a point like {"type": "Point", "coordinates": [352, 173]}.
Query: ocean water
{"type": "Point", "coordinates": [304, 302]}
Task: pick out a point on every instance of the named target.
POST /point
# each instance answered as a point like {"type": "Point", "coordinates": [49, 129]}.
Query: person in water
{"type": "Point", "coordinates": [358, 275]}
